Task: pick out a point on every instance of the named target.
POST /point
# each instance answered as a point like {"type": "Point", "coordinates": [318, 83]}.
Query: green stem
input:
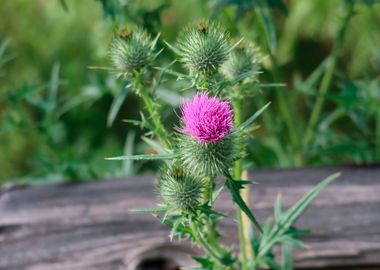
{"type": "Point", "coordinates": [327, 77]}
{"type": "Point", "coordinates": [151, 106]}
{"type": "Point", "coordinates": [237, 171]}
{"type": "Point", "coordinates": [211, 251]}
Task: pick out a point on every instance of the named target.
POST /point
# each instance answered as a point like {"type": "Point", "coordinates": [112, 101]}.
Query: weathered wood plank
{"type": "Point", "coordinates": [88, 225]}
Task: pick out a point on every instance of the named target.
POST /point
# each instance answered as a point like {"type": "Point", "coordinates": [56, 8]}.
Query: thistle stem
{"type": "Point", "coordinates": [207, 247]}
{"type": "Point", "coordinates": [151, 106]}
{"type": "Point", "coordinates": [237, 171]}
{"type": "Point", "coordinates": [327, 77]}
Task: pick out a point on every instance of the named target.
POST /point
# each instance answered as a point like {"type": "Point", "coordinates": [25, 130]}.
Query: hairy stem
{"type": "Point", "coordinates": [327, 77]}
{"type": "Point", "coordinates": [151, 106]}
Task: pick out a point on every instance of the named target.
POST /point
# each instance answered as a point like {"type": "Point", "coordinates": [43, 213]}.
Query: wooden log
{"type": "Point", "coordinates": [88, 225]}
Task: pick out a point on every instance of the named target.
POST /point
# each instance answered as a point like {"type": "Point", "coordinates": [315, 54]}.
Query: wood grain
{"type": "Point", "coordinates": [88, 225]}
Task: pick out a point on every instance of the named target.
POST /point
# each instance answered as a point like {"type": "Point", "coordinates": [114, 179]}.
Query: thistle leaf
{"type": "Point", "coordinates": [291, 216]}
{"type": "Point", "coordinates": [205, 263]}
{"type": "Point", "coordinates": [296, 210]}
{"type": "Point", "coordinates": [207, 210]}
{"type": "Point", "coordinates": [174, 229]}
{"type": "Point", "coordinates": [234, 189]}
{"type": "Point", "coordinates": [288, 240]}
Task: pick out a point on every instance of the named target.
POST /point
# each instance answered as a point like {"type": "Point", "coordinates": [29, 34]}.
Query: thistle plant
{"type": "Point", "coordinates": [208, 144]}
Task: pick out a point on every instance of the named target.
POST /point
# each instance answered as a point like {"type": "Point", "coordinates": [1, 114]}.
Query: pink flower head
{"type": "Point", "coordinates": [206, 119]}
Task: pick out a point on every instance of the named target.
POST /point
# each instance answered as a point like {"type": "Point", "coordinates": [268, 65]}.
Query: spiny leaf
{"type": "Point", "coordinates": [207, 210]}
{"type": "Point", "coordinates": [205, 263]}
{"type": "Point", "coordinates": [174, 229]}
{"type": "Point", "coordinates": [292, 214]}
{"type": "Point", "coordinates": [234, 189]}
{"type": "Point", "coordinates": [288, 240]}
{"type": "Point", "coordinates": [145, 157]}
{"type": "Point", "coordinates": [296, 210]}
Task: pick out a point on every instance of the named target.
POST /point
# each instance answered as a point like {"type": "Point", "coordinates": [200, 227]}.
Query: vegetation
{"type": "Point", "coordinates": [59, 117]}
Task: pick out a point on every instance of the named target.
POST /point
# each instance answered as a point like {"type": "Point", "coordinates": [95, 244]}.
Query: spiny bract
{"type": "Point", "coordinates": [204, 48]}
{"type": "Point", "coordinates": [241, 60]}
{"type": "Point", "coordinates": [208, 159]}
{"type": "Point", "coordinates": [132, 49]}
{"type": "Point", "coordinates": [179, 190]}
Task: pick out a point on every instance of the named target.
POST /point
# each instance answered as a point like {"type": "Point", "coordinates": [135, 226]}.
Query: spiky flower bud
{"type": "Point", "coordinates": [204, 48]}
{"type": "Point", "coordinates": [179, 190]}
{"type": "Point", "coordinates": [132, 49]}
{"type": "Point", "coordinates": [206, 145]}
{"type": "Point", "coordinates": [241, 60]}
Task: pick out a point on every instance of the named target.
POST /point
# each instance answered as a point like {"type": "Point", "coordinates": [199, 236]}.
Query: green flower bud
{"type": "Point", "coordinates": [180, 191]}
{"type": "Point", "coordinates": [241, 60]}
{"type": "Point", "coordinates": [203, 48]}
{"type": "Point", "coordinates": [132, 50]}
{"type": "Point", "coordinates": [208, 159]}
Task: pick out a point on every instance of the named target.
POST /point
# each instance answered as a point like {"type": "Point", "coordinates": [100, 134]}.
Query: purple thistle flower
{"type": "Point", "coordinates": [206, 119]}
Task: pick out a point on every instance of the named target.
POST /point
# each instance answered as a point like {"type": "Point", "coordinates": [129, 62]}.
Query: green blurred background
{"type": "Point", "coordinates": [53, 107]}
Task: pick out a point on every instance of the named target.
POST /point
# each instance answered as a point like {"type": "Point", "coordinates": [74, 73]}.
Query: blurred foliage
{"type": "Point", "coordinates": [53, 108]}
